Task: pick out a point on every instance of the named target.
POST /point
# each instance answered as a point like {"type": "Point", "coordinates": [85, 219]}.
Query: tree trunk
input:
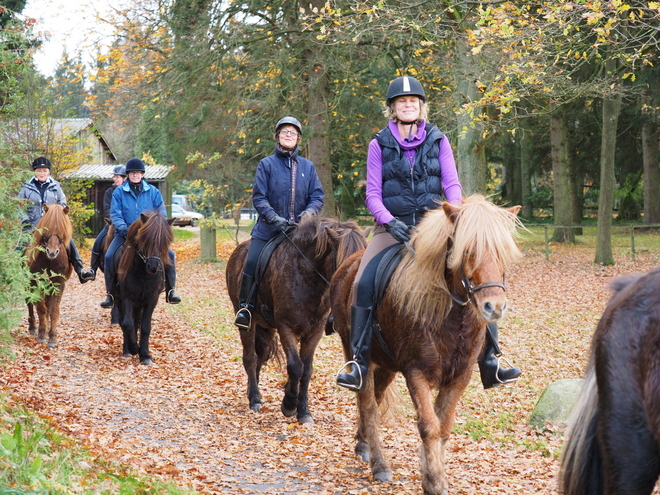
{"type": "Point", "coordinates": [561, 179]}
{"type": "Point", "coordinates": [611, 110]}
{"type": "Point", "coordinates": [318, 144]}
{"type": "Point", "coordinates": [526, 147]}
{"type": "Point", "coordinates": [471, 149]}
{"type": "Point", "coordinates": [651, 158]}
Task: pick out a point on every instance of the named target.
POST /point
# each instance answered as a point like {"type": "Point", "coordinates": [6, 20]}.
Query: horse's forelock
{"type": "Point", "coordinates": [54, 222]}
{"type": "Point", "coordinates": [154, 236]}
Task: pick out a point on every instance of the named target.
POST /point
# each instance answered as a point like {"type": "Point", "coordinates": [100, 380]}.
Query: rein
{"type": "Point", "coordinates": [145, 259]}
{"type": "Point", "coordinates": [471, 289]}
{"type": "Point", "coordinates": [306, 259]}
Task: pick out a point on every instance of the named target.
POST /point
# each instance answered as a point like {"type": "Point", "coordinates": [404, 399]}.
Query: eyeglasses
{"type": "Point", "coordinates": [287, 132]}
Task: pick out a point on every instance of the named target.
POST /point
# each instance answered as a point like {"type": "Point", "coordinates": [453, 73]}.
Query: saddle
{"type": "Point", "coordinates": [260, 270]}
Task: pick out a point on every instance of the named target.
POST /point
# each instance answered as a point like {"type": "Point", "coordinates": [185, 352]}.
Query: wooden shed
{"type": "Point", "coordinates": [156, 175]}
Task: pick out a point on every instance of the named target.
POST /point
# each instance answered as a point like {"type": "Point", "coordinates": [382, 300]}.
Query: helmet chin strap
{"type": "Point", "coordinates": [411, 123]}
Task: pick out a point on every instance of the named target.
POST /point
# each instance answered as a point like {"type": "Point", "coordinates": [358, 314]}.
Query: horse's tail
{"type": "Point", "coordinates": [581, 471]}
{"type": "Point", "coordinates": [265, 345]}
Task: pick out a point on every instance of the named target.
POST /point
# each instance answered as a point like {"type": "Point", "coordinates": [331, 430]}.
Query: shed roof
{"type": "Point", "coordinates": [153, 172]}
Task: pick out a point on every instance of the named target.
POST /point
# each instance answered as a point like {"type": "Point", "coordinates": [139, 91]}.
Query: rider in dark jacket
{"type": "Point", "coordinates": [42, 190]}
{"type": "Point", "coordinates": [129, 200]}
{"type": "Point", "coordinates": [286, 188]}
{"type": "Point", "coordinates": [118, 179]}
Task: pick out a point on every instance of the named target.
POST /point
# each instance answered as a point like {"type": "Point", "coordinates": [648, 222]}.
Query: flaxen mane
{"type": "Point", "coordinates": [481, 229]}
{"type": "Point", "coordinates": [150, 235]}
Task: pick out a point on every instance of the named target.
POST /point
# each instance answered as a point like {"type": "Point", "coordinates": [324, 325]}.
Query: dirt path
{"type": "Point", "coordinates": [186, 416]}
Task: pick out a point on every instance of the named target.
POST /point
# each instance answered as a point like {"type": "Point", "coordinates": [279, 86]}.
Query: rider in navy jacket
{"type": "Point", "coordinates": [133, 197]}
{"type": "Point", "coordinates": [286, 188]}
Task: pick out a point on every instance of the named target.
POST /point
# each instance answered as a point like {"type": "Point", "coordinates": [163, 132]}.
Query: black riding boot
{"type": "Point", "coordinates": [246, 301]}
{"type": "Point", "coordinates": [74, 258]}
{"type": "Point", "coordinates": [95, 263]}
{"type": "Point", "coordinates": [109, 285]}
{"type": "Point", "coordinates": [492, 375]}
{"type": "Point", "coordinates": [361, 332]}
{"type": "Point", "coordinates": [170, 282]}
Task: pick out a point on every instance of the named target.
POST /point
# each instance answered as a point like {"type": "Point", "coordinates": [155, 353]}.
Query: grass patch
{"type": "Point", "coordinates": [35, 458]}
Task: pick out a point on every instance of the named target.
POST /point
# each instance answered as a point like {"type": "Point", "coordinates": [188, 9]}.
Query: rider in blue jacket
{"type": "Point", "coordinates": [129, 200]}
{"type": "Point", "coordinates": [286, 188]}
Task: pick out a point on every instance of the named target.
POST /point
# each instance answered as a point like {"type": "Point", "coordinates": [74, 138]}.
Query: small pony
{"type": "Point", "coordinates": [48, 254]}
{"type": "Point", "coordinates": [141, 279]}
{"type": "Point", "coordinates": [431, 324]}
{"type": "Point", "coordinates": [614, 430]}
{"type": "Point", "coordinates": [292, 302]}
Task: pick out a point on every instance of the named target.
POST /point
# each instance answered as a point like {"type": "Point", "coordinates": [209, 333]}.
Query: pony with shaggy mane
{"type": "Point", "coordinates": [47, 254]}
{"type": "Point", "coordinates": [432, 322]}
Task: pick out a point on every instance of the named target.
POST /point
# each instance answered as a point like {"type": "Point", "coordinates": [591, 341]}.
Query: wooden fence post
{"type": "Point", "coordinates": [208, 243]}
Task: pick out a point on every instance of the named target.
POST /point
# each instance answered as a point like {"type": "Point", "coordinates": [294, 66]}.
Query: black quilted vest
{"type": "Point", "coordinates": [409, 193]}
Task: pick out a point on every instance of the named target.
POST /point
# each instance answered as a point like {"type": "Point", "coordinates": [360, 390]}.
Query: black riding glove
{"type": "Point", "coordinates": [280, 223]}
{"type": "Point", "coordinates": [306, 213]}
{"type": "Point", "coordinates": [398, 229]}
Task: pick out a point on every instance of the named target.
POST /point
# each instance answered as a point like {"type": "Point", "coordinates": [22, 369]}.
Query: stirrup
{"type": "Point", "coordinates": [172, 300]}
{"type": "Point", "coordinates": [351, 387]}
{"type": "Point", "coordinates": [111, 304]}
{"type": "Point", "coordinates": [249, 318]}
{"type": "Point", "coordinates": [497, 371]}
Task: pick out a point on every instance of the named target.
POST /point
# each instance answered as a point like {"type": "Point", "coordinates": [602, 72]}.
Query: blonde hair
{"type": "Point", "coordinates": [389, 114]}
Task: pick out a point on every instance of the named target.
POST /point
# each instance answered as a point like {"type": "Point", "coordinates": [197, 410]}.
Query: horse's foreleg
{"type": "Point", "coordinates": [430, 431]}
{"type": "Point", "coordinates": [53, 307]}
{"type": "Point", "coordinates": [130, 347]}
{"type": "Point", "coordinates": [42, 313]}
{"type": "Point", "coordinates": [251, 368]}
{"type": "Point", "coordinates": [145, 333]}
{"type": "Point", "coordinates": [368, 426]}
{"type": "Point", "coordinates": [307, 350]}
{"type": "Point", "coordinates": [294, 370]}
{"type": "Point", "coordinates": [32, 324]}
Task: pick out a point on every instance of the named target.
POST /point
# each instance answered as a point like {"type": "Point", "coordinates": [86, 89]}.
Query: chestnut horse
{"type": "Point", "coordinates": [47, 254]}
{"type": "Point", "coordinates": [292, 302]}
{"type": "Point", "coordinates": [432, 319]}
{"type": "Point", "coordinates": [141, 279]}
{"type": "Point", "coordinates": [614, 431]}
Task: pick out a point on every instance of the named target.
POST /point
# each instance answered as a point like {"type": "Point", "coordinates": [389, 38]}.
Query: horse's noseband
{"type": "Point", "coordinates": [471, 289]}
{"type": "Point", "coordinates": [145, 259]}
{"type": "Point", "coordinates": [45, 239]}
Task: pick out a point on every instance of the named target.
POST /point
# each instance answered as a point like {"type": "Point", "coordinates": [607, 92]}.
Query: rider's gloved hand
{"type": "Point", "coordinates": [280, 223]}
{"type": "Point", "coordinates": [398, 229]}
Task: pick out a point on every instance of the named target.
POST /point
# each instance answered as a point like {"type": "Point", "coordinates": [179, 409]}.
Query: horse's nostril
{"type": "Point", "coordinates": [488, 307]}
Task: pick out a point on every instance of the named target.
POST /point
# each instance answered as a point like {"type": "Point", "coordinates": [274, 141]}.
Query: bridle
{"type": "Point", "coordinates": [471, 289]}
{"type": "Point", "coordinates": [145, 259]}
{"type": "Point", "coordinates": [46, 238]}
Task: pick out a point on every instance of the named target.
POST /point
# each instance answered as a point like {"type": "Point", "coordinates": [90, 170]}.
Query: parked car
{"type": "Point", "coordinates": [185, 217]}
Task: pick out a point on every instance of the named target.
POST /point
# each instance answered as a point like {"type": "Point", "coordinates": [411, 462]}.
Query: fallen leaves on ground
{"type": "Point", "coordinates": [187, 415]}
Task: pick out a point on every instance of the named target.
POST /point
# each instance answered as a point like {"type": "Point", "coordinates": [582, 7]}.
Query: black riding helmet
{"type": "Point", "coordinates": [41, 162]}
{"type": "Point", "coordinates": [405, 86]}
{"type": "Point", "coordinates": [135, 165]}
{"type": "Point", "coordinates": [119, 170]}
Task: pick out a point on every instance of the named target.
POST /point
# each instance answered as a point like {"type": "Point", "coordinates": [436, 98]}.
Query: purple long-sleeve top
{"type": "Point", "coordinates": [449, 175]}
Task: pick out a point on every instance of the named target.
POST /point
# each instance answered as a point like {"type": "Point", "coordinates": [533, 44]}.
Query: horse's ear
{"type": "Point", "coordinates": [514, 209]}
{"type": "Point", "coordinates": [143, 217]}
{"type": "Point", "coordinates": [450, 210]}
{"type": "Point", "coordinates": [66, 210]}
{"type": "Point", "coordinates": [171, 220]}
{"type": "Point", "coordinates": [108, 222]}
{"type": "Point", "coordinates": [334, 235]}
{"type": "Point", "coordinates": [45, 208]}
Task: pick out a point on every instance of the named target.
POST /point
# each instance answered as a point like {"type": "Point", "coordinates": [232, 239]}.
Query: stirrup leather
{"type": "Point", "coordinates": [355, 364]}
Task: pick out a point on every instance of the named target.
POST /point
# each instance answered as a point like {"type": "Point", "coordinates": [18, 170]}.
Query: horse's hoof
{"type": "Point", "coordinates": [288, 412]}
{"type": "Point", "coordinates": [363, 453]}
{"type": "Point", "coordinates": [41, 340]}
{"type": "Point", "coordinates": [307, 418]}
{"type": "Point", "coordinates": [383, 476]}
{"type": "Point", "coordinates": [52, 344]}
{"type": "Point", "coordinates": [146, 361]}
{"type": "Point", "coordinates": [256, 407]}
{"type": "Point", "coordinates": [33, 331]}
{"type": "Point", "coordinates": [127, 355]}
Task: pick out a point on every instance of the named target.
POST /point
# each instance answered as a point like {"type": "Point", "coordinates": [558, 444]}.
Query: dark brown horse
{"type": "Point", "coordinates": [141, 279]}
{"type": "Point", "coordinates": [613, 437]}
{"type": "Point", "coordinates": [292, 302]}
{"type": "Point", "coordinates": [432, 316]}
{"type": "Point", "coordinates": [47, 254]}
